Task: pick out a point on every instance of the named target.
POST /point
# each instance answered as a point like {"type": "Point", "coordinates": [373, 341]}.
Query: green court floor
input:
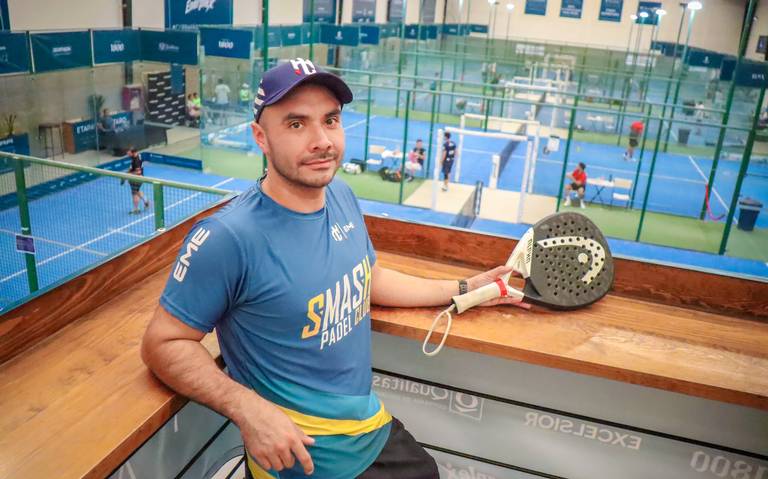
{"type": "Point", "coordinates": [677, 231]}
{"type": "Point", "coordinates": [660, 229]}
{"type": "Point", "coordinates": [223, 162]}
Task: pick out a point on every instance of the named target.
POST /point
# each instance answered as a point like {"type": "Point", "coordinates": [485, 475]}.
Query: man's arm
{"type": "Point", "coordinates": [172, 350]}
{"type": "Point", "coordinates": [393, 288]}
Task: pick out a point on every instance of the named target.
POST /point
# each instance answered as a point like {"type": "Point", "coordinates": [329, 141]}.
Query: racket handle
{"type": "Point", "coordinates": [480, 295]}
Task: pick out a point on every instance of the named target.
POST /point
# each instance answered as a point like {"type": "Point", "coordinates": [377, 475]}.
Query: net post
{"type": "Point", "coordinates": [26, 226]}
{"type": "Point", "coordinates": [742, 173]}
{"type": "Point", "coordinates": [157, 189]}
{"type": "Point", "coordinates": [367, 118]}
{"type": "Point", "coordinates": [457, 175]}
{"type": "Point", "coordinates": [640, 158]}
{"type": "Point", "coordinates": [571, 124]}
{"type": "Point", "coordinates": [524, 185]}
{"type": "Point", "coordinates": [650, 178]}
{"type": "Point", "coordinates": [405, 145]}
{"type": "Point", "coordinates": [436, 171]}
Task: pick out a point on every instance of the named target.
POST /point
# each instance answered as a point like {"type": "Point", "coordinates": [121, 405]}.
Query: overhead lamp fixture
{"type": "Point", "coordinates": [694, 6]}
{"type": "Point", "coordinates": [510, 6]}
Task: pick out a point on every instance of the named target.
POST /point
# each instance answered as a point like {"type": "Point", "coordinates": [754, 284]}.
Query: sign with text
{"type": "Point", "coordinates": [116, 46]}
{"type": "Point", "coordinates": [704, 58]}
{"type": "Point", "coordinates": [273, 37]}
{"type": "Point", "coordinates": [198, 12]}
{"type": "Point", "coordinates": [370, 34]}
{"type": "Point", "coordinates": [57, 51]}
{"type": "Point", "coordinates": [752, 75]}
{"type": "Point", "coordinates": [762, 41]}
{"type": "Point", "coordinates": [428, 11]}
{"type": "Point", "coordinates": [610, 10]}
{"type": "Point", "coordinates": [226, 42]}
{"type": "Point", "coordinates": [364, 11]}
{"type": "Point", "coordinates": [306, 34]}
{"type": "Point", "coordinates": [451, 29]}
{"type": "Point", "coordinates": [25, 244]}
{"type": "Point", "coordinates": [325, 11]}
{"type": "Point", "coordinates": [14, 53]}
{"type": "Point", "coordinates": [340, 35]}
{"type": "Point", "coordinates": [169, 47]}
{"type": "Point", "coordinates": [571, 8]}
{"type": "Point", "coordinates": [395, 11]}
{"type": "Point", "coordinates": [535, 7]}
{"type": "Point", "coordinates": [649, 8]}
{"type": "Point", "coordinates": [290, 35]}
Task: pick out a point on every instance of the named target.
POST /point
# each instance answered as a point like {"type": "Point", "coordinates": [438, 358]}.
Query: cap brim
{"type": "Point", "coordinates": [337, 86]}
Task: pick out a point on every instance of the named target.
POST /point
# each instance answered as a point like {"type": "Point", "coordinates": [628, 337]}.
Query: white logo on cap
{"type": "Point", "coordinates": [301, 65]}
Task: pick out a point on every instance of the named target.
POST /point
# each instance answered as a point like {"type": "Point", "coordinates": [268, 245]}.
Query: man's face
{"type": "Point", "coordinates": [419, 144]}
{"type": "Point", "coordinates": [302, 136]}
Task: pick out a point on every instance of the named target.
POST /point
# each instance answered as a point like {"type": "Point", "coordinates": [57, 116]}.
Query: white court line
{"type": "Point", "coordinates": [714, 191]}
{"type": "Point", "coordinates": [629, 172]}
{"type": "Point", "coordinates": [58, 243]}
{"type": "Point", "coordinates": [111, 232]}
{"type": "Point", "coordinates": [357, 123]}
{"type": "Point", "coordinates": [703, 176]}
{"type": "Point", "coordinates": [126, 233]}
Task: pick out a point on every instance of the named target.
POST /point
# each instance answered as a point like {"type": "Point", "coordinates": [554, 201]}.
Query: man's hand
{"type": "Point", "coordinates": [272, 438]}
{"type": "Point", "coordinates": [482, 279]}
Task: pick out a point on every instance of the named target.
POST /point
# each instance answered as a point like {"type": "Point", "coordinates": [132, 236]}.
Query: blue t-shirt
{"type": "Point", "coordinates": [449, 147]}
{"type": "Point", "coordinates": [289, 296]}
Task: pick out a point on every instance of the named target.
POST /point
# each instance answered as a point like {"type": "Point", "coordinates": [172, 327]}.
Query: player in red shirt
{"type": "Point", "coordinates": [578, 184]}
{"type": "Point", "coordinates": [635, 130]}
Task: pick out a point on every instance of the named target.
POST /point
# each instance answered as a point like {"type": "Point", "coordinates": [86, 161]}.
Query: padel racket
{"type": "Point", "coordinates": [566, 264]}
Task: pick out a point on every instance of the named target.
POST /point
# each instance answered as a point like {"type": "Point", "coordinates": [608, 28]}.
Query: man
{"type": "Point", "coordinates": [221, 92]}
{"type": "Point", "coordinates": [137, 168]}
{"type": "Point", "coordinates": [418, 153]}
{"type": "Point", "coordinates": [635, 130]}
{"type": "Point", "coordinates": [197, 101]}
{"type": "Point", "coordinates": [699, 115]}
{"type": "Point", "coordinates": [221, 100]}
{"type": "Point", "coordinates": [415, 163]}
{"type": "Point", "coordinates": [286, 274]}
{"type": "Point", "coordinates": [578, 184]}
{"type": "Point", "coordinates": [245, 95]}
{"type": "Point", "coordinates": [449, 155]}
{"type": "Point", "coordinates": [193, 111]}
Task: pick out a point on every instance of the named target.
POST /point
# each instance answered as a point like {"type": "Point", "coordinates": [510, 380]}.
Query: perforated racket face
{"type": "Point", "coordinates": [571, 264]}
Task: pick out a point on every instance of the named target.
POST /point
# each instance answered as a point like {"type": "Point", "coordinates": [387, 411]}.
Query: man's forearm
{"type": "Point", "coordinates": [393, 288]}
{"type": "Point", "coordinates": [187, 368]}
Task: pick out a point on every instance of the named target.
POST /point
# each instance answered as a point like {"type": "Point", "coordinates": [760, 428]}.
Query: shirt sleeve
{"type": "Point", "coordinates": [207, 279]}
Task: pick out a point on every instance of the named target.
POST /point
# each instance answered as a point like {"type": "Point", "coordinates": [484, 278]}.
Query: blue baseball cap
{"type": "Point", "coordinates": [280, 80]}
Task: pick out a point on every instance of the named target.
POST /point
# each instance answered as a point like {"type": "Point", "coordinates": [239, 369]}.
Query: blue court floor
{"type": "Point", "coordinates": [82, 226]}
{"type": "Point", "coordinates": [677, 187]}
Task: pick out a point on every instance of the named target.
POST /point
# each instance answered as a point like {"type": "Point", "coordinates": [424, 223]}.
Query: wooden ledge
{"type": "Point", "coordinates": [712, 356]}
{"type": "Point", "coordinates": [77, 399]}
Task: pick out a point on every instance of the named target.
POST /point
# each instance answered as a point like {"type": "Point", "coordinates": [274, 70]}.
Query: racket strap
{"type": "Point", "coordinates": [447, 313]}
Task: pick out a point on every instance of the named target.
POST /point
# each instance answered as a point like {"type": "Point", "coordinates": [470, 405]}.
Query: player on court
{"type": "Point", "coordinates": [286, 274]}
{"type": "Point", "coordinates": [449, 155]}
{"type": "Point", "coordinates": [635, 131]}
{"type": "Point", "coordinates": [137, 168]}
{"type": "Point", "coordinates": [578, 184]}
